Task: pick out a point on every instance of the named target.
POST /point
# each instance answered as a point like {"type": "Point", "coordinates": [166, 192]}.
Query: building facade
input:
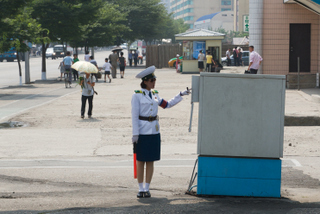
{"type": "Point", "coordinates": [214, 21]}
{"type": "Point", "coordinates": [166, 4]}
{"type": "Point", "coordinates": [287, 36]}
{"type": "Point", "coordinates": [192, 10]}
{"type": "Point", "coordinates": [241, 15]}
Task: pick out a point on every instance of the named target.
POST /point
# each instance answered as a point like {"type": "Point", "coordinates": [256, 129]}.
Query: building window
{"type": "Point", "coordinates": [224, 2]}
{"type": "Point", "coordinates": [225, 9]}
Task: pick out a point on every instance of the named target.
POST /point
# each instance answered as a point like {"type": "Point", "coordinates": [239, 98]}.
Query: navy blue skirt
{"type": "Point", "coordinates": [148, 148]}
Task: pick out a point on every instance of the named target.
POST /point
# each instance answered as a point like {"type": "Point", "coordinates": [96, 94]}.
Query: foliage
{"type": "Point", "coordinates": [20, 28]}
{"type": "Point", "coordinates": [231, 34]}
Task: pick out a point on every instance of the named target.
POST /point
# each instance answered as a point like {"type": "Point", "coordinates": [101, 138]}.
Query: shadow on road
{"type": "Point", "coordinates": [193, 205]}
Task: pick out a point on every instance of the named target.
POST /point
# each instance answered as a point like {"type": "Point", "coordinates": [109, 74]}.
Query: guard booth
{"type": "Point", "coordinates": [196, 40]}
{"type": "Point", "coordinates": [240, 133]}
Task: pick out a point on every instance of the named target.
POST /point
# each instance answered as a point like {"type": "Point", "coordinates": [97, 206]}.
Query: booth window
{"type": "Point", "coordinates": [191, 49]}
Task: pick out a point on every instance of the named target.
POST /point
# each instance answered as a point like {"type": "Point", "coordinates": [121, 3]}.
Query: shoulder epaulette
{"type": "Point", "coordinates": [155, 92]}
{"type": "Point", "coordinates": [139, 92]}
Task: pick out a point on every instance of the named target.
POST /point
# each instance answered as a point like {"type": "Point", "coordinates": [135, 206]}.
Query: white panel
{"type": "Point", "coordinates": [241, 115]}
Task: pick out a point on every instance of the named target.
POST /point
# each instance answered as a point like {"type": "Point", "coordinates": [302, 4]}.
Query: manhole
{"type": "Point", "coordinates": [12, 124]}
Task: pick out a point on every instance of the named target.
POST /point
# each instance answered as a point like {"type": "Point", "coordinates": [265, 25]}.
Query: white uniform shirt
{"type": "Point", "coordinates": [143, 105]}
{"type": "Point", "coordinates": [255, 58]}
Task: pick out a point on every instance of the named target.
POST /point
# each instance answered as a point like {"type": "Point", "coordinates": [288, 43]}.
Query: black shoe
{"type": "Point", "coordinates": [82, 116]}
{"type": "Point", "coordinates": [147, 194]}
{"type": "Point", "coordinates": [89, 116]}
{"type": "Point", "coordinates": [109, 80]}
{"type": "Point", "coordinates": [140, 194]}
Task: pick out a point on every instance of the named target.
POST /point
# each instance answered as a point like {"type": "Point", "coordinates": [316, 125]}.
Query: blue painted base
{"type": "Point", "coordinates": [239, 177]}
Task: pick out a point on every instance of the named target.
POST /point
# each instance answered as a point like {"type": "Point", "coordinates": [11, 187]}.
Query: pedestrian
{"type": "Point", "coordinates": [228, 57]}
{"type": "Point", "coordinates": [61, 67]}
{"type": "Point", "coordinates": [137, 51]}
{"type": "Point", "coordinates": [135, 58]}
{"type": "Point", "coordinates": [240, 56]}
{"type": "Point", "coordinates": [145, 126]}
{"type": "Point", "coordinates": [200, 61]}
{"type": "Point", "coordinates": [130, 58]}
{"type": "Point", "coordinates": [177, 63]}
{"type": "Point", "coordinates": [93, 61]}
{"type": "Point", "coordinates": [122, 64]}
{"type": "Point", "coordinates": [209, 61]}
{"type": "Point", "coordinates": [255, 61]}
{"type": "Point", "coordinates": [217, 66]}
{"type": "Point", "coordinates": [107, 67]}
{"type": "Point", "coordinates": [235, 56]}
{"type": "Point", "coordinates": [113, 58]}
{"type": "Point", "coordinates": [87, 57]}
{"type": "Point", "coordinates": [87, 94]}
{"type": "Point", "coordinates": [67, 62]}
{"type": "Point", "coordinates": [75, 72]}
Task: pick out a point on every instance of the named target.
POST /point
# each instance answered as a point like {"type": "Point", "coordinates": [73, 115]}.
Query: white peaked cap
{"type": "Point", "coordinates": [148, 73]}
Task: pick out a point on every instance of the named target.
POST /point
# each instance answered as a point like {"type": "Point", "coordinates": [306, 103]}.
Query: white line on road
{"type": "Point", "coordinates": [28, 97]}
{"type": "Point", "coordinates": [19, 112]}
{"type": "Point", "coordinates": [294, 161]}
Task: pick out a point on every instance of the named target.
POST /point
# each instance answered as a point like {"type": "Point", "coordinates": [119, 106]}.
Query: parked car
{"type": "Point", "coordinates": [245, 59]}
{"type": "Point", "coordinates": [172, 62]}
{"type": "Point", "coordinates": [50, 53]}
{"type": "Point", "coordinates": [11, 55]}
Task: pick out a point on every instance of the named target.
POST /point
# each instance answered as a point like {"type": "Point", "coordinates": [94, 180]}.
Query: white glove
{"type": "Point", "coordinates": [135, 138]}
{"type": "Point", "coordinates": [186, 92]}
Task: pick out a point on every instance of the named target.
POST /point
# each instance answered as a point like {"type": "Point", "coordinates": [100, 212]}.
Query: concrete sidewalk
{"type": "Point", "coordinates": [60, 163]}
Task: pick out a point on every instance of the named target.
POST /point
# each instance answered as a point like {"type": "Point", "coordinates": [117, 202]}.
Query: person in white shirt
{"type": "Point", "coordinates": [255, 61]}
{"type": "Point", "coordinates": [145, 126]}
{"type": "Point", "coordinates": [228, 57]}
{"type": "Point", "coordinates": [67, 62]}
{"type": "Point", "coordinates": [87, 57]}
{"type": "Point", "coordinates": [200, 61]}
{"type": "Point", "coordinates": [87, 94]}
{"type": "Point", "coordinates": [107, 68]}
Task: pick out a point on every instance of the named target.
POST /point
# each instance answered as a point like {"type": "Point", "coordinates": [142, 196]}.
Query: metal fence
{"type": "Point", "coordinates": [159, 55]}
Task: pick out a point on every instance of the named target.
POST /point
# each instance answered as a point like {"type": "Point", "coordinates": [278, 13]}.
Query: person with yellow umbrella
{"type": "Point", "coordinates": [87, 83]}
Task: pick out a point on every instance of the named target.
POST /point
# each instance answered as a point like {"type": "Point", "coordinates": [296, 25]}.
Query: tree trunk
{"type": "Point", "coordinates": [19, 65]}
{"type": "Point", "coordinates": [43, 63]}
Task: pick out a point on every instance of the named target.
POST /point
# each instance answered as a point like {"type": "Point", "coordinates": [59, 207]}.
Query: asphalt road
{"type": "Point", "coordinates": [60, 163]}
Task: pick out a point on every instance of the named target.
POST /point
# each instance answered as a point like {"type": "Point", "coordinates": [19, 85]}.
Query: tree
{"type": "Point", "coordinates": [102, 30]}
{"type": "Point", "coordinates": [65, 20]}
{"type": "Point", "coordinates": [21, 28]}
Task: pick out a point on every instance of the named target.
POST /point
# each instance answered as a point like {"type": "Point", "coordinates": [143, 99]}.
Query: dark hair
{"type": "Point", "coordinates": [251, 46]}
{"type": "Point", "coordinates": [209, 52]}
{"type": "Point", "coordinates": [106, 59]}
{"type": "Point", "coordinates": [143, 85]}
{"type": "Point", "coordinates": [68, 53]}
{"type": "Point", "coordinates": [121, 53]}
{"type": "Point", "coordinates": [200, 51]}
{"type": "Point", "coordinates": [75, 54]}
{"type": "Point", "coordinates": [87, 52]}
{"type": "Point", "coordinates": [91, 57]}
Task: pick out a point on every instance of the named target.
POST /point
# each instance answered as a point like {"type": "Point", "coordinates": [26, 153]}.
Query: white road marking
{"type": "Point", "coordinates": [19, 112]}
{"type": "Point", "coordinates": [294, 161]}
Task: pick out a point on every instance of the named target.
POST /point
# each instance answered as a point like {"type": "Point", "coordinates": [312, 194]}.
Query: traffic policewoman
{"type": "Point", "coordinates": [145, 126]}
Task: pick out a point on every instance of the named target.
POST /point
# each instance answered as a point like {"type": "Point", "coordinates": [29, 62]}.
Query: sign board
{"type": "Point", "coordinates": [246, 23]}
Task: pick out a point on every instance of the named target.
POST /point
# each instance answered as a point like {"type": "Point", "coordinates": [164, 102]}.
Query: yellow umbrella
{"type": "Point", "coordinates": [84, 66]}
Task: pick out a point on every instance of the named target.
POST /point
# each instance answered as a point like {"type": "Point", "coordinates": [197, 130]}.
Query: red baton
{"type": "Point", "coordinates": [134, 161]}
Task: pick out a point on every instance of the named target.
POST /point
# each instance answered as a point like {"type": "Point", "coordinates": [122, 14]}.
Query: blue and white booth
{"type": "Point", "coordinates": [240, 133]}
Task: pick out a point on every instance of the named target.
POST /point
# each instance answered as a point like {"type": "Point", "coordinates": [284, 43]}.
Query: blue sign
{"type": "Point", "coordinates": [197, 46]}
